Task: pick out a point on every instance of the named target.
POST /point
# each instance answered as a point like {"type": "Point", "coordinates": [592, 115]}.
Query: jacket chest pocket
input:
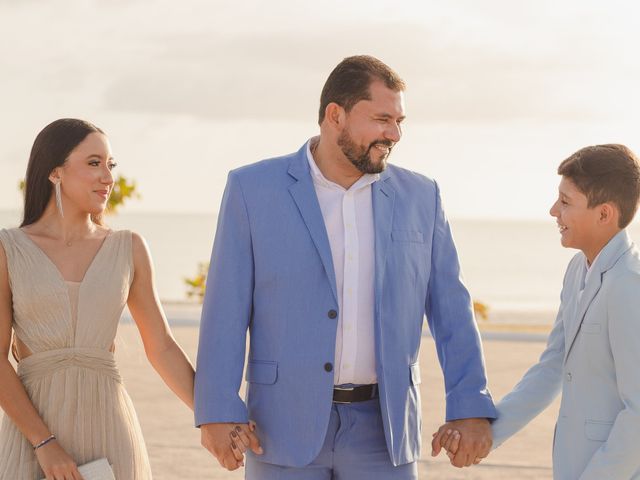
{"type": "Point", "coordinates": [591, 328]}
{"type": "Point", "coordinates": [407, 236]}
{"type": "Point", "coordinates": [407, 259]}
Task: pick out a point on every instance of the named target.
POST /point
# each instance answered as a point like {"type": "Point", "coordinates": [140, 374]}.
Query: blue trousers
{"type": "Point", "coordinates": [354, 449]}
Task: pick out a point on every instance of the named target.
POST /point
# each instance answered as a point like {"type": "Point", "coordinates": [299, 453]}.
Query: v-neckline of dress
{"type": "Point", "coordinates": [55, 267]}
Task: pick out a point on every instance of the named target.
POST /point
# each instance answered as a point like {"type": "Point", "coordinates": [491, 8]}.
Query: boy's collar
{"type": "Point", "coordinates": [611, 252]}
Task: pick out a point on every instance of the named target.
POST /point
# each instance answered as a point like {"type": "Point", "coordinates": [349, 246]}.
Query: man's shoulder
{"type": "Point", "coordinates": [268, 166]}
{"type": "Point", "coordinates": [409, 178]}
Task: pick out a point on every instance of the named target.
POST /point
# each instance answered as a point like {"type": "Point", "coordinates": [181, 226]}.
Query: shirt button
{"type": "Point", "coordinates": [328, 367]}
{"type": "Point", "coordinates": [332, 314]}
{"type": "Point", "coordinates": [569, 376]}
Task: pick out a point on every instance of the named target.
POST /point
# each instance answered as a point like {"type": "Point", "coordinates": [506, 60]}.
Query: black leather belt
{"type": "Point", "coordinates": [355, 394]}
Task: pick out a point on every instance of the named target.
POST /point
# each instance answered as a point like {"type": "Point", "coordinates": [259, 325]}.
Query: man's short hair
{"type": "Point", "coordinates": [606, 173]}
{"type": "Point", "coordinates": [349, 82]}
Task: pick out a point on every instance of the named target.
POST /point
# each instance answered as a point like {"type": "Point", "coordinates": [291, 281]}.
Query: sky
{"type": "Point", "coordinates": [499, 92]}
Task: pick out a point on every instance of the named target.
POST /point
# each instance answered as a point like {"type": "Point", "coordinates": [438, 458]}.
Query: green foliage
{"type": "Point", "coordinates": [123, 190]}
{"type": "Point", "coordinates": [196, 285]}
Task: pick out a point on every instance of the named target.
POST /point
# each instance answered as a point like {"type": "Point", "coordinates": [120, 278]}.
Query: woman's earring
{"type": "Point", "coordinates": [59, 198]}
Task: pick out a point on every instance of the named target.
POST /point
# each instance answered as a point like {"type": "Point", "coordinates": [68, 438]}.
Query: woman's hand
{"type": "Point", "coordinates": [56, 463]}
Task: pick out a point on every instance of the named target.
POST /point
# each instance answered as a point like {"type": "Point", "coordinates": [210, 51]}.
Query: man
{"type": "Point", "coordinates": [331, 259]}
{"type": "Point", "coordinates": [593, 351]}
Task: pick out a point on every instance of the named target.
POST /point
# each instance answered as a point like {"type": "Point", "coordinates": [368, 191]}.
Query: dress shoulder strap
{"type": "Point", "coordinates": [13, 250]}
{"type": "Point", "coordinates": [121, 251]}
{"type": "Point", "coordinates": [7, 238]}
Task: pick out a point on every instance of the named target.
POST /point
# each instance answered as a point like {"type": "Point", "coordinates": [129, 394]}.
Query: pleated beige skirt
{"type": "Point", "coordinates": [71, 376]}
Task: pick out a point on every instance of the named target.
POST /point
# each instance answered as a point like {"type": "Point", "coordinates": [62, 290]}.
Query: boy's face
{"type": "Point", "coordinates": [578, 224]}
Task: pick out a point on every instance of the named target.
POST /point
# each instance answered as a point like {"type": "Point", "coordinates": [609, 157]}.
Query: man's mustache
{"type": "Point", "coordinates": [386, 143]}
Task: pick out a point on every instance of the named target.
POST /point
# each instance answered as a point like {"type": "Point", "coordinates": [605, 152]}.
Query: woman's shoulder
{"type": "Point", "coordinates": [123, 234]}
{"type": "Point", "coordinates": [136, 241]}
{"type": "Point", "coordinates": [10, 231]}
{"type": "Point", "coordinates": [134, 237]}
{"type": "Point", "coordinates": [8, 235]}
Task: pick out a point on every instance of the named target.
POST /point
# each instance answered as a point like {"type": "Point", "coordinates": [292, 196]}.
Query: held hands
{"type": "Point", "coordinates": [56, 463]}
{"type": "Point", "coordinates": [467, 441]}
{"type": "Point", "coordinates": [228, 442]}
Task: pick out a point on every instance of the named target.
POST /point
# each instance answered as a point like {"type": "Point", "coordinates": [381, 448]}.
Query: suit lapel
{"type": "Point", "coordinates": [591, 289]}
{"type": "Point", "coordinates": [304, 195]}
{"type": "Point", "coordinates": [608, 257]}
{"type": "Point", "coordinates": [383, 198]}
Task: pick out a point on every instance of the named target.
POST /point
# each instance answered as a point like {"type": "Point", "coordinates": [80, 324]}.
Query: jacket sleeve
{"type": "Point", "coordinates": [618, 456]}
{"type": "Point", "coordinates": [449, 313]}
{"type": "Point", "coordinates": [535, 391]}
{"type": "Point", "coordinates": [226, 314]}
{"type": "Point", "coordinates": [540, 385]}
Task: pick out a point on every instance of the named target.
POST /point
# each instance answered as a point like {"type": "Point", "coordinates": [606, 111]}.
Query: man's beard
{"type": "Point", "coordinates": [360, 157]}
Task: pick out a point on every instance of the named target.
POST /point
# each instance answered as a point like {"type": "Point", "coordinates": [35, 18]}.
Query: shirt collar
{"type": "Point", "coordinates": [320, 179]}
{"type": "Point", "coordinates": [589, 268]}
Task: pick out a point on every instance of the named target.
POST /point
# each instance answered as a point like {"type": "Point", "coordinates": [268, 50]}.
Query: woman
{"type": "Point", "coordinates": [64, 280]}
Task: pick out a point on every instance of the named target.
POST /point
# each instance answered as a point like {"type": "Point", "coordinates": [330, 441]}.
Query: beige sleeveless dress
{"type": "Point", "coordinates": [71, 376]}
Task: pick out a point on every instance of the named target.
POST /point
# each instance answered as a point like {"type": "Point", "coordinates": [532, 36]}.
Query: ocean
{"type": "Point", "coordinates": [514, 267]}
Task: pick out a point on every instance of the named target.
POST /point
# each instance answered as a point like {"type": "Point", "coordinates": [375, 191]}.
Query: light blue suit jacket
{"type": "Point", "coordinates": [593, 356]}
{"type": "Point", "coordinates": [271, 272]}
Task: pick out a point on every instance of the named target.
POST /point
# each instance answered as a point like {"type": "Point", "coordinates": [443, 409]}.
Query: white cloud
{"type": "Point", "coordinates": [235, 82]}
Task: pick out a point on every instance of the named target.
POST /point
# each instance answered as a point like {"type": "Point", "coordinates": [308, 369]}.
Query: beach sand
{"type": "Point", "coordinates": [174, 445]}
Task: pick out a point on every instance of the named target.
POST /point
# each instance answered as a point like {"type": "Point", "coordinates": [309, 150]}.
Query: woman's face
{"type": "Point", "coordinates": [86, 178]}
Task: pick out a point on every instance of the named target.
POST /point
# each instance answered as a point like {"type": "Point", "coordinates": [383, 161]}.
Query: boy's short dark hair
{"type": "Point", "coordinates": [349, 82]}
{"type": "Point", "coordinates": [606, 173]}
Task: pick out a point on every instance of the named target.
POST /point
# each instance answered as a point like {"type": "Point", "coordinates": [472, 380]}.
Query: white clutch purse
{"type": "Point", "coordinates": [96, 470]}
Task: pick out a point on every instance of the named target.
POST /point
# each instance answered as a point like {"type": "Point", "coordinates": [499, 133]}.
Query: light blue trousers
{"type": "Point", "coordinates": [354, 449]}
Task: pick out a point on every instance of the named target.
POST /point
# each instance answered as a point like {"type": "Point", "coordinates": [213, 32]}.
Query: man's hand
{"type": "Point", "coordinates": [229, 441]}
{"type": "Point", "coordinates": [467, 440]}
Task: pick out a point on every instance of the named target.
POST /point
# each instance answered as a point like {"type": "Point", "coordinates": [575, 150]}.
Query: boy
{"type": "Point", "coordinates": [593, 351]}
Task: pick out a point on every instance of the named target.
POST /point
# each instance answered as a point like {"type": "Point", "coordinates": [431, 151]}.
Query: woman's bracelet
{"type": "Point", "coordinates": [44, 442]}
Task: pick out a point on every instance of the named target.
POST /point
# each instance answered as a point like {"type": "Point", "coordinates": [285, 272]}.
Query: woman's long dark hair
{"type": "Point", "coordinates": [50, 150]}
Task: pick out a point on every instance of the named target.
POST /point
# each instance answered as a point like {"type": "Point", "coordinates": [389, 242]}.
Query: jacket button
{"type": "Point", "coordinates": [332, 314]}
{"type": "Point", "coordinates": [568, 376]}
{"type": "Point", "coordinates": [328, 367]}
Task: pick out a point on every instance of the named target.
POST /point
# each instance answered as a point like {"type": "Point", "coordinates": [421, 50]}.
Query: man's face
{"type": "Point", "coordinates": [372, 128]}
{"type": "Point", "coordinates": [577, 223]}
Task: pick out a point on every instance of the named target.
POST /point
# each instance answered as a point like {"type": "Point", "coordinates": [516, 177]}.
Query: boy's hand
{"type": "Point", "coordinates": [448, 439]}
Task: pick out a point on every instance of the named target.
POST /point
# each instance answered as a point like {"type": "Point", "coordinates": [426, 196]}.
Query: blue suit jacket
{"type": "Point", "coordinates": [271, 272]}
{"type": "Point", "coordinates": [592, 356]}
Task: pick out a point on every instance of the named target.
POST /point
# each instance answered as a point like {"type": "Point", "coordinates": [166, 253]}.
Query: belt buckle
{"type": "Point", "coordinates": [343, 389]}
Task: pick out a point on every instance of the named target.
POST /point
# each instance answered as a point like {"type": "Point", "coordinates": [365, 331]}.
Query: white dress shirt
{"type": "Point", "coordinates": [587, 274]}
{"type": "Point", "coordinates": [348, 218]}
